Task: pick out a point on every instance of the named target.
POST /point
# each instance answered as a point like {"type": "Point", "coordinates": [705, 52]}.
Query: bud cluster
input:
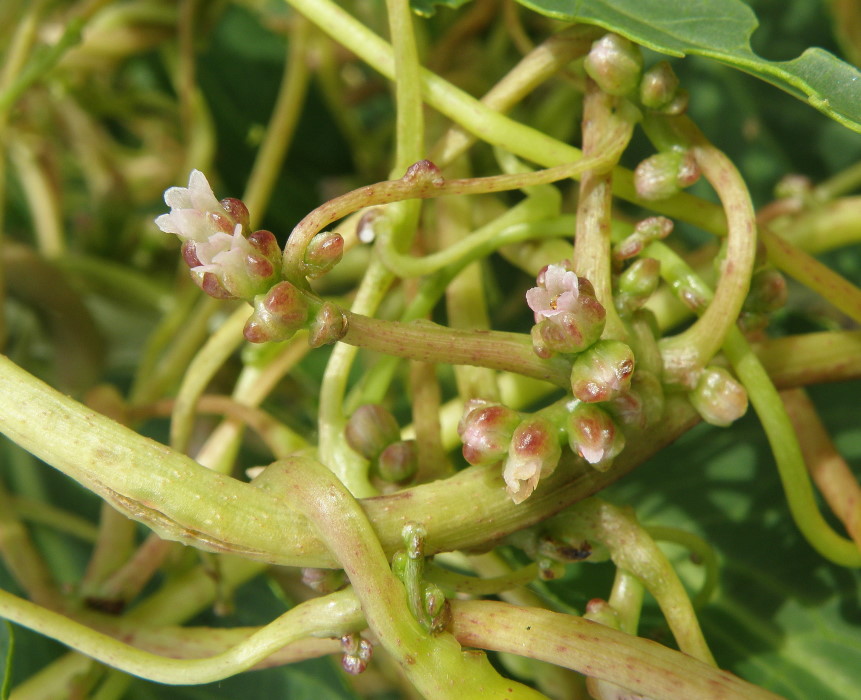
{"type": "Point", "coordinates": [568, 316]}
{"type": "Point", "coordinates": [357, 653]}
{"type": "Point", "coordinates": [373, 432]}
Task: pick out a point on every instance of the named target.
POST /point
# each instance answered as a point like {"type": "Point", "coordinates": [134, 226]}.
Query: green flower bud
{"type": "Point", "coordinates": [643, 404]}
{"type": "Point", "coordinates": [594, 435]}
{"type": "Point", "coordinates": [664, 174]}
{"type": "Point", "coordinates": [398, 462]}
{"type": "Point", "coordinates": [370, 430]}
{"type": "Point", "coordinates": [658, 86]}
{"type": "Point", "coordinates": [602, 372]}
{"type": "Point", "coordinates": [324, 581]}
{"type": "Point", "coordinates": [652, 229]}
{"type": "Point", "coordinates": [277, 315]}
{"type": "Point", "coordinates": [598, 610]}
{"type": "Point", "coordinates": [614, 63]}
{"type": "Point", "coordinates": [636, 284]}
{"type": "Point", "coordinates": [718, 397]}
{"type": "Point", "coordinates": [437, 612]}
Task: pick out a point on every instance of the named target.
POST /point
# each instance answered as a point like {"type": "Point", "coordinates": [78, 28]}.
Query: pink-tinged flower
{"type": "Point", "coordinates": [556, 294]}
{"type": "Point", "coordinates": [534, 452]}
{"type": "Point", "coordinates": [195, 213]}
{"type": "Point", "coordinates": [233, 265]}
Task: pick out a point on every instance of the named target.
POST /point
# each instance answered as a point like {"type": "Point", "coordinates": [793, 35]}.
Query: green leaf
{"type": "Point", "coordinates": [427, 8]}
{"type": "Point", "coordinates": [7, 648]}
{"type": "Point", "coordinates": [720, 29]}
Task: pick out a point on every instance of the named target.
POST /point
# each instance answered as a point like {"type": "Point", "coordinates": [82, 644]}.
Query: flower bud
{"type": "Point", "coordinates": [323, 253]}
{"type": "Point", "coordinates": [277, 315]}
{"type": "Point", "coordinates": [664, 174]}
{"type": "Point", "coordinates": [651, 229]}
{"type": "Point", "coordinates": [437, 612]}
{"type": "Point", "coordinates": [486, 430]}
{"type": "Point", "coordinates": [371, 429]}
{"type": "Point", "coordinates": [424, 173]}
{"type": "Point", "coordinates": [568, 315]}
{"type": "Point", "coordinates": [718, 397]}
{"type": "Point", "coordinates": [598, 610]}
{"type": "Point", "coordinates": [602, 372]}
{"type": "Point", "coordinates": [236, 212]}
{"type": "Point", "coordinates": [398, 462]}
{"type": "Point", "coordinates": [614, 63]}
{"type": "Point", "coordinates": [658, 86]}
{"type": "Point", "coordinates": [323, 581]}
{"type": "Point", "coordinates": [767, 293]}
{"type": "Point", "coordinates": [534, 452]}
{"type": "Point", "coordinates": [328, 326]}
{"type": "Point", "coordinates": [594, 435]}
{"type": "Point", "coordinates": [636, 284]}
{"type": "Point", "coordinates": [643, 404]}
{"type": "Point", "coordinates": [678, 105]}
{"type": "Point", "coordinates": [357, 653]}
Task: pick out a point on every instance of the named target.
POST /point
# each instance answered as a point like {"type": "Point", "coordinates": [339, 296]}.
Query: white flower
{"type": "Point", "coordinates": [195, 213]}
{"type": "Point", "coordinates": [556, 294]}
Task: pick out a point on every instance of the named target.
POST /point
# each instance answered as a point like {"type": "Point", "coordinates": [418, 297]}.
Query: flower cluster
{"type": "Point", "coordinates": [374, 433]}
{"type": "Point", "coordinates": [568, 316]}
{"type": "Point", "coordinates": [225, 259]}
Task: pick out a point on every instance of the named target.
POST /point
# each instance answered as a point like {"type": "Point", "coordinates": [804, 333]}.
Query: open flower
{"type": "Point", "coordinates": [195, 213]}
{"type": "Point", "coordinates": [557, 293]}
{"type": "Point", "coordinates": [568, 316]}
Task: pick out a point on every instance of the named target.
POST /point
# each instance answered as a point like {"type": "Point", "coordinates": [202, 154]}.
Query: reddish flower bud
{"type": "Point", "coordinates": [424, 173]}
{"type": "Point", "coordinates": [371, 429]}
{"type": "Point", "coordinates": [486, 431]}
{"type": "Point", "coordinates": [594, 435]}
{"type": "Point", "coordinates": [357, 653]}
{"type": "Point", "coordinates": [328, 326]}
{"type": "Point", "coordinates": [398, 462]}
{"type": "Point", "coordinates": [277, 315]}
{"type": "Point", "coordinates": [323, 253]}
{"type": "Point", "coordinates": [718, 397]}
{"type": "Point", "coordinates": [534, 452]}
{"type": "Point", "coordinates": [768, 292]}
{"type": "Point", "coordinates": [652, 229]}
{"type": "Point", "coordinates": [602, 372]}
{"type": "Point", "coordinates": [643, 404]}
{"type": "Point", "coordinates": [615, 64]}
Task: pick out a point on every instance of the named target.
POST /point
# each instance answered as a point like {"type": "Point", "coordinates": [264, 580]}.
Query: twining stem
{"type": "Point", "coordinates": [434, 664]}
{"type": "Point", "coordinates": [829, 470]}
{"type": "Point", "coordinates": [638, 664]}
{"type": "Point", "coordinates": [772, 414]}
{"type": "Point", "coordinates": [699, 549]}
{"type": "Point", "coordinates": [282, 123]}
{"type": "Point", "coordinates": [535, 68]}
{"type": "Point", "coordinates": [429, 342]}
{"type": "Point", "coordinates": [330, 616]}
{"type": "Point", "coordinates": [488, 124]}
{"type": "Point", "coordinates": [690, 350]}
{"type": "Point", "coordinates": [632, 550]}
{"type": "Point", "coordinates": [594, 205]}
{"type": "Point", "coordinates": [217, 349]}
{"type": "Point", "coordinates": [423, 181]}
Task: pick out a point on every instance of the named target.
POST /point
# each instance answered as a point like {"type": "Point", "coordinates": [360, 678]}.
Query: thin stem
{"type": "Point", "coordinates": [638, 664]}
{"type": "Point", "coordinates": [329, 616]}
{"type": "Point", "coordinates": [423, 181]}
{"type": "Point", "coordinates": [282, 123]}
{"type": "Point", "coordinates": [772, 414]}
{"type": "Point", "coordinates": [633, 550]}
{"type": "Point", "coordinates": [592, 234]}
{"type": "Point", "coordinates": [214, 353]}
{"type": "Point", "coordinates": [429, 342]}
{"type": "Point", "coordinates": [433, 463]}
{"type": "Point", "coordinates": [689, 351]}
{"type": "Point", "coordinates": [626, 598]}
{"type": "Point", "coordinates": [474, 585]}
{"type": "Point", "coordinates": [700, 549]}
{"type": "Point", "coordinates": [434, 664]}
